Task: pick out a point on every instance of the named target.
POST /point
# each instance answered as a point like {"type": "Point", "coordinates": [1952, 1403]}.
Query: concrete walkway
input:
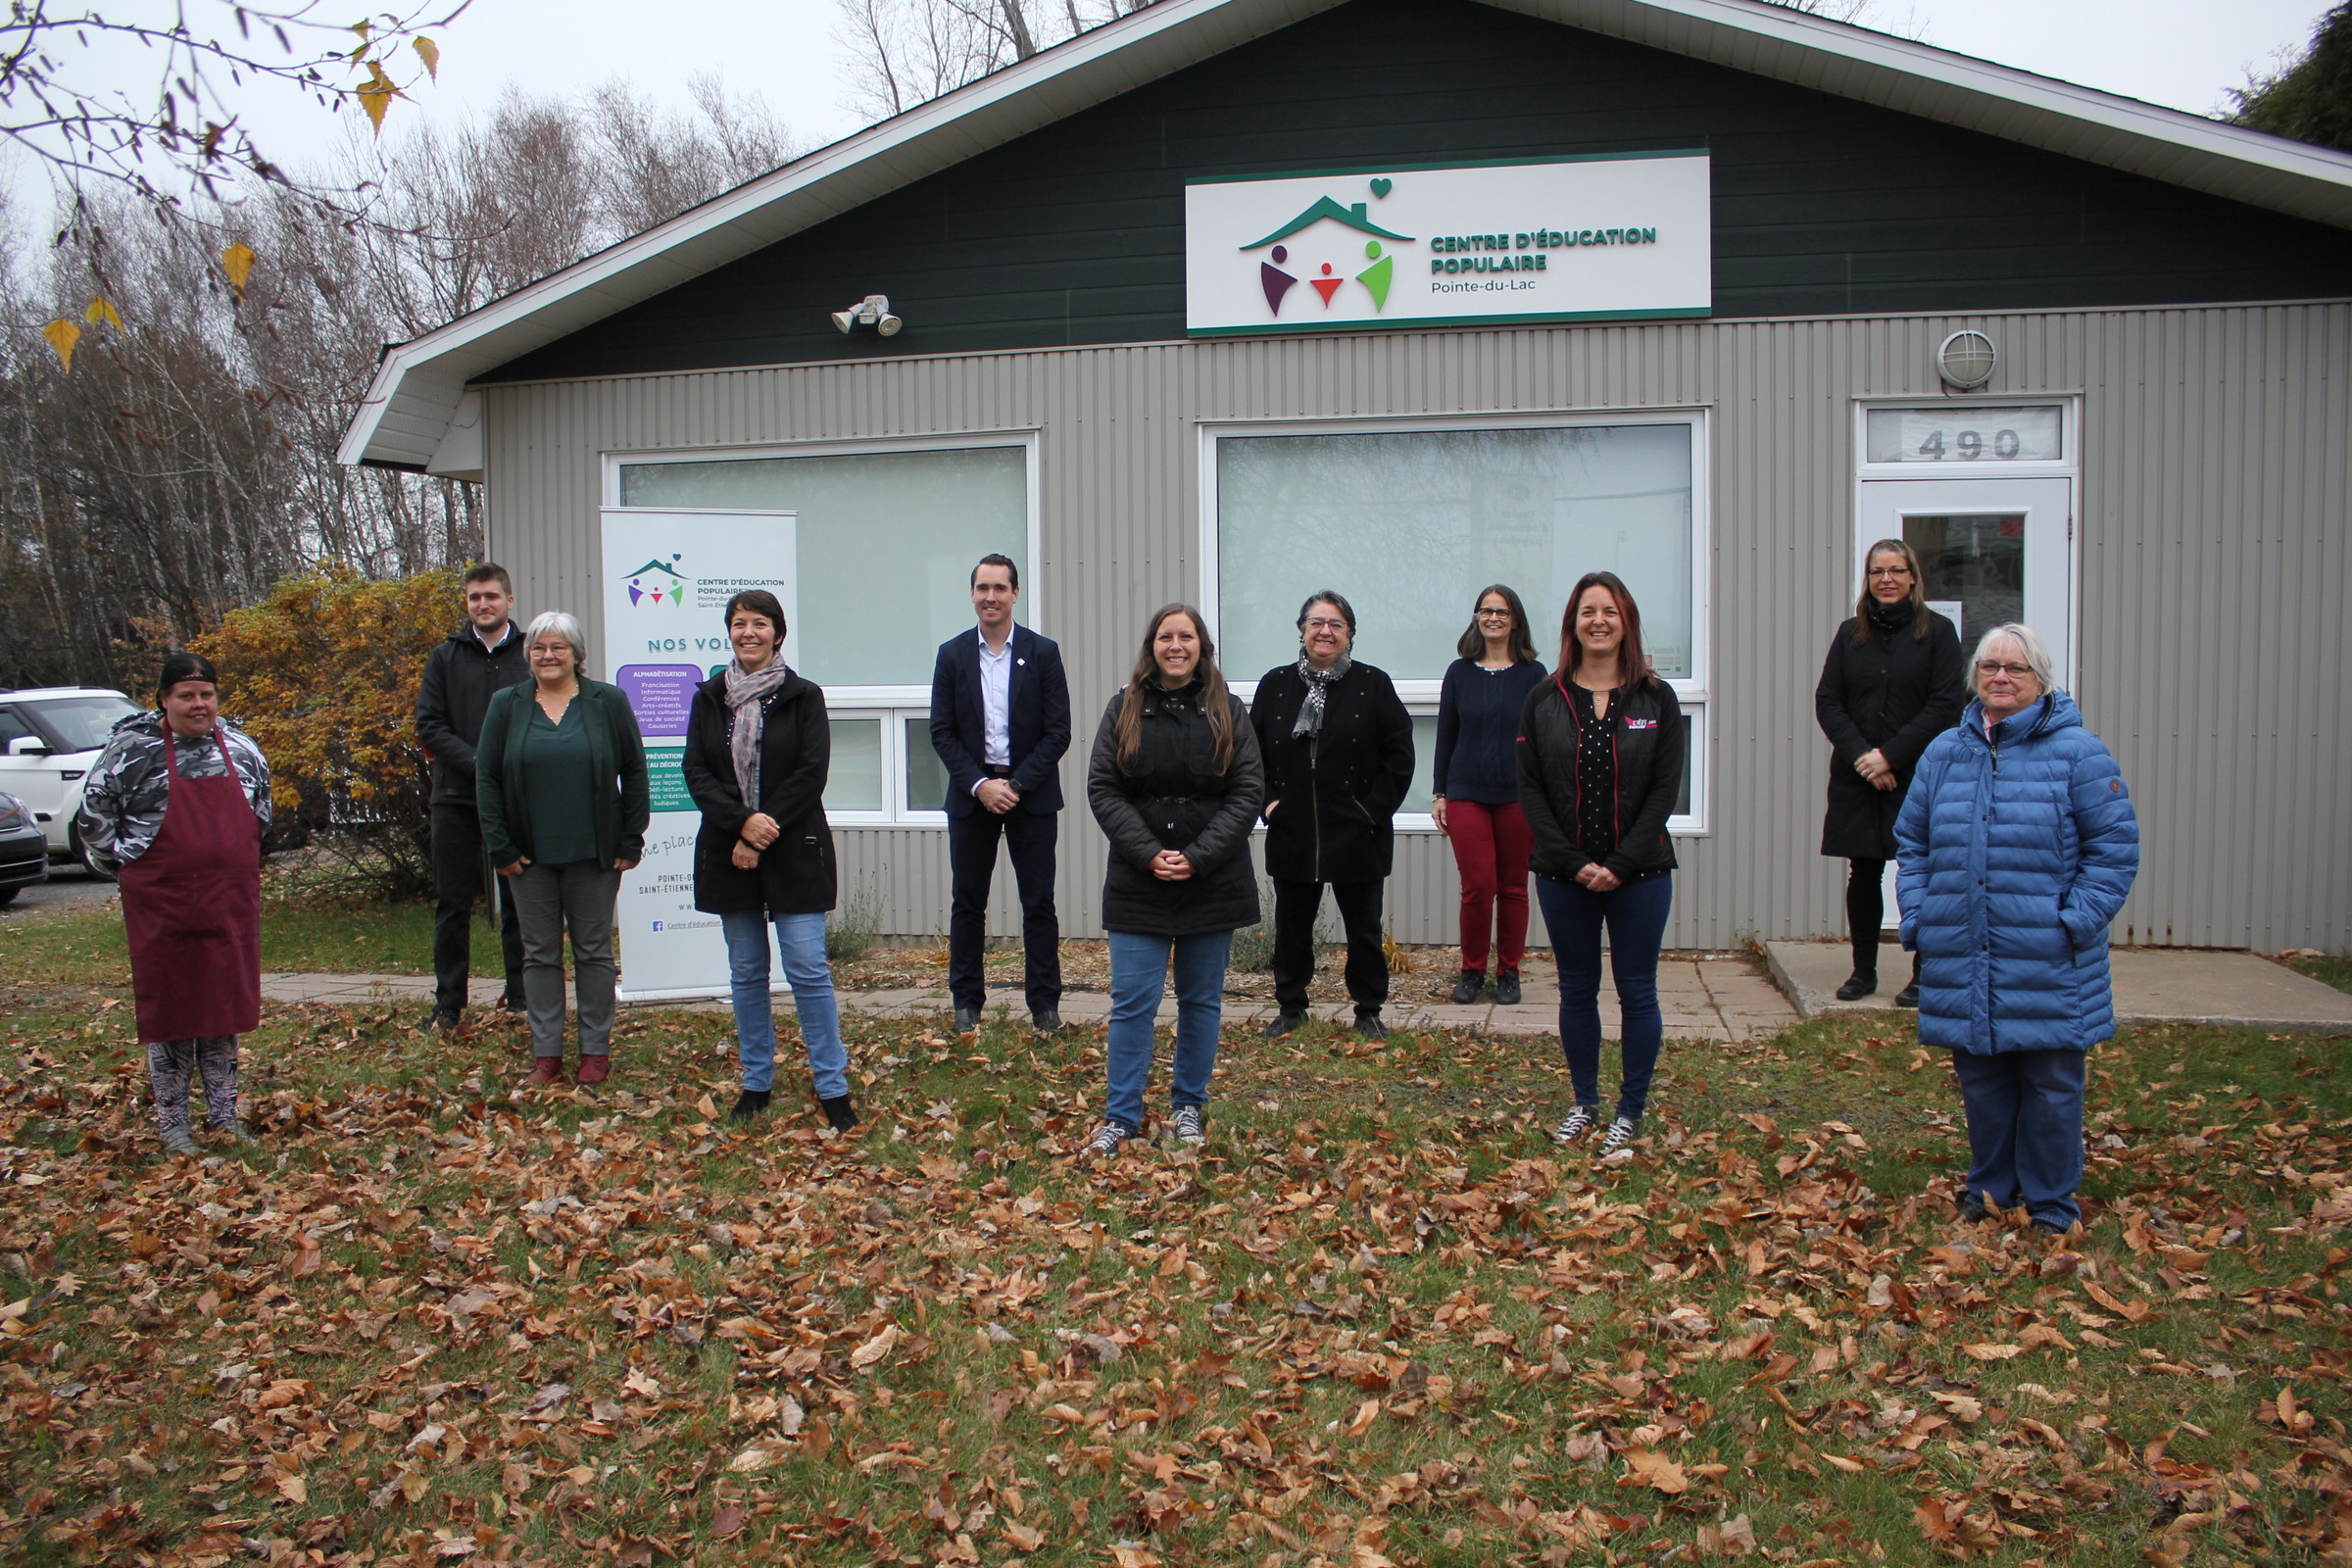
{"type": "Point", "coordinates": [2152, 985]}
{"type": "Point", "coordinates": [1702, 999]}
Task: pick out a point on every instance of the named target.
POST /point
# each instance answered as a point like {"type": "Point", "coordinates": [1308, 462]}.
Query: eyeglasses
{"type": "Point", "coordinates": [1888, 571]}
{"type": "Point", "coordinates": [1494, 614]}
{"type": "Point", "coordinates": [1992, 667]}
{"type": "Point", "coordinates": [1326, 625]}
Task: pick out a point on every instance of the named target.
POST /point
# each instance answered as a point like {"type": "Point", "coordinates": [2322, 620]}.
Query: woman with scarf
{"type": "Point", "coordinates": [1893, 682]}
{"type": "Point", "coordinates": [1175, 783]}
{"type": "Point", "coordinates": [758, 747]}
{"type": "Point", "coordinates": [1339, 756]}
{"type": "Point", "coordinates": [560, 784]}
{"type": "Point", "coordinates": [177, 806]}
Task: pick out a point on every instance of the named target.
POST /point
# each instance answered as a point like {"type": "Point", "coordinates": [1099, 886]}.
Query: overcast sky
{"type": "Point", "coordinates": [2183, 53]}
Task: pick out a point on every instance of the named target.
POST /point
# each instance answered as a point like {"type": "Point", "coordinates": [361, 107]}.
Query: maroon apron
{"type": "Point", "coordinates": [192, 904]}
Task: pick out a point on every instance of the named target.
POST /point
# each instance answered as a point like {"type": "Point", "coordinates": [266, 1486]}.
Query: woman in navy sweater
{"type": "Point", "coordinates": [1477, 784]}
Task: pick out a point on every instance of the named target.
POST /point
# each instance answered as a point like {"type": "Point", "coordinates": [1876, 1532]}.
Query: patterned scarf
{"type": "Point", "coordinates": [746, 691]}
{"type": "Point", "coordinates": [1318, 686]}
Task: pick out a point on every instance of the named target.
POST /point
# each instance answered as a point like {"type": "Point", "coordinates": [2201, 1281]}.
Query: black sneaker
{"type": "Point", "coordinates": [1861, 983]}
{"type": "Point", "coordinates": [1284, 1024]}
{"type": "Point", "coordinates": [840, 1115]}
{"type": "Point", "coordinates": [1506, 989]}
{"type": "Point", "coordinates": [1046, 1021]}
{"type": "Point", "coordinates": [1467, 988]}
{"type": "Point", "coordinates": [748, 1104]}
{"type": "Point", "coordinates": [1972, 1212]}
{"type": "Point", "coordinates": [1368, 1025]}
{"type": "Point", "coordinates": [967, 1019]}
{"type": "Point", "coordinates": [1908, 997]}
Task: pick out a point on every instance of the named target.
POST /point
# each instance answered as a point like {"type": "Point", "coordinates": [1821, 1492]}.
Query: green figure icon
{"type": "Point", "coordinates": [1376, 276]}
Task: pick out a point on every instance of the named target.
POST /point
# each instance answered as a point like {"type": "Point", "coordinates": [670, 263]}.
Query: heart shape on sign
{"type": "Point", "coordinates": [1382, 186]}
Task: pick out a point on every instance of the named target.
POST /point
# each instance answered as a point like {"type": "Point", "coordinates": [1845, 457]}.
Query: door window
{"type": "Point", "coordinates": [1975, 566]}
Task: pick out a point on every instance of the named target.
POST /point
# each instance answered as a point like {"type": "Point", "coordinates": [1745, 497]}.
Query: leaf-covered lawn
{"type": "Point", "coordinates": [425, 1319]}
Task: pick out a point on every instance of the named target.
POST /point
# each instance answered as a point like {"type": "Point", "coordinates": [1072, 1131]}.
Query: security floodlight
{"type": "Point", "coordinates": [1966, 360]}
{"type": "Point", "coordinates": [872, 310]}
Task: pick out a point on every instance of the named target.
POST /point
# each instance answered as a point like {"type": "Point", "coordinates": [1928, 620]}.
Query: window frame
{"type": "Point", "coordinates": [892, 704]}
{"type": "Point", "coordinates": [1420, 695]}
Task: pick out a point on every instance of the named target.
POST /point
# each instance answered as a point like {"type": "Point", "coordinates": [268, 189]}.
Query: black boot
{"type": "Point", "coordinates": [1861, 983]}
{"type": "Point", "coordinates": [1467, 988]}
{"type": "Point", "coordinates": [750, 1103]}
{"type": "Point", "coordinates": [840, 1113]}
{"type": "Point", "coordinates": [1908, 997]}
{"type": "Point", "coordinates": [1507, 988]}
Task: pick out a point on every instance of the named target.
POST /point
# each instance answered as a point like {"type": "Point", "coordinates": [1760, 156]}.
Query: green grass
{"type": "Point", "coordinates": [2336, 972]}
{"type": "Point", "coordinates": [1379, 1318]}
{"type": "Point", "coordinates": [86, 946]}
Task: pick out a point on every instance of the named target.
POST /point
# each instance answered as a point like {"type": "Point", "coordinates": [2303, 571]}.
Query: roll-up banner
{"type": "Point", "coordinates": [667, 578]}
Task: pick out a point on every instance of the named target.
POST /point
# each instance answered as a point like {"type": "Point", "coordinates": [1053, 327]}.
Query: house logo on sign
{"type": "Point", "coordinates": [657, 584]}
{"type": "Point", "coordinates": [1328, 252]}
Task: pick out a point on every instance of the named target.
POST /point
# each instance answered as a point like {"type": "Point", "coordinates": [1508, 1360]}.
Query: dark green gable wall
{"type": "Point", "coordinates": [1074, 233]}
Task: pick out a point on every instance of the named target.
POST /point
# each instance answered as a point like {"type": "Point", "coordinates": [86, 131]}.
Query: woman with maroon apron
{"type": "Point", "coordinates": [177, 805]}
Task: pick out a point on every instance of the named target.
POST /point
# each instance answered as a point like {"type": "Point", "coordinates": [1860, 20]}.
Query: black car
{"type": "Point", "coordinates": [23, 849]}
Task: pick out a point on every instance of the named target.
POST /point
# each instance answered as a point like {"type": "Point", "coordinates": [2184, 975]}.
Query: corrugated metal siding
{"type": "Point", "coordinates": [2213, 569]}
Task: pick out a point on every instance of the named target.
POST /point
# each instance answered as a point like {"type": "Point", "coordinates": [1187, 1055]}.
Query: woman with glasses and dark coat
{"type": "Point", "coordinates": [1893, 681]}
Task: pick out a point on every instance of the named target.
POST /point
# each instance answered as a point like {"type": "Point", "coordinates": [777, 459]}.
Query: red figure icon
{"type": "Point", "coordinates": [1327, 285]}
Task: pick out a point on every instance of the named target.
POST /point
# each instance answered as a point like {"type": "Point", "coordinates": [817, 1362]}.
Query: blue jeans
{"type": "Point", "coordinates": [2024, 1130]}
{"type": "Point", "coordinates": [1635, 916]}
{"type": "Point", "coordinates": [801, 938]}
{"type": "Point", "coordinates": [1139, 971]}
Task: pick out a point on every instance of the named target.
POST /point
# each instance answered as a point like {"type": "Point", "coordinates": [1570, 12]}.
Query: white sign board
{"type": "Point", "coordinates": [1581, 239]}
{"type": "Point", "coordinates": [667, 578]}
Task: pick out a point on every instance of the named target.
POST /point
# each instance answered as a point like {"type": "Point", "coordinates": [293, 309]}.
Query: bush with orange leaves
{"type": "Point", "coordinates": [323, 674]}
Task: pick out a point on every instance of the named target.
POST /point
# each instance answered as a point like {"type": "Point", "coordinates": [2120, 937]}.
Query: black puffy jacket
{"type": "Point", "coordinates": [1336, 792]}
{"type": "Point", "coordinates": [1645, 730]}
{"type": "Point", "coordinates": [1175, 797]}
{"type": "Point", "coordinates": [796, 875]}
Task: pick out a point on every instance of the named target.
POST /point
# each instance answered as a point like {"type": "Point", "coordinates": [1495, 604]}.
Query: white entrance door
{"type": "Point", "coordinates": [1995, 550]}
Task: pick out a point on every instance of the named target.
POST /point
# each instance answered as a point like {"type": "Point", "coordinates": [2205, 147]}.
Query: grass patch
{"type": "Point", "coordinates": [2336, 972]}
{"type": "Point", "coordinates": [426, 1316]}
{"type": "Point", "coordinates": [307, 934]}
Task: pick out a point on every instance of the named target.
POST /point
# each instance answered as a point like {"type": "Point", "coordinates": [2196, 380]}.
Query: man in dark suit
{"type": "Point", "coordinates": [1001, 722]}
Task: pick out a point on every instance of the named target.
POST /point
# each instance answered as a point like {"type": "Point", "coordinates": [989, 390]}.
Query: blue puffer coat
{"type": "Point", "coordinates": [2015, 854]}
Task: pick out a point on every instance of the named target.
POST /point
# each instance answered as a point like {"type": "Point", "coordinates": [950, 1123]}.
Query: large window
{"type": "Point", "coordinates": [886, 540]}
{"type": "Point", "coordinates": [1412, 523]}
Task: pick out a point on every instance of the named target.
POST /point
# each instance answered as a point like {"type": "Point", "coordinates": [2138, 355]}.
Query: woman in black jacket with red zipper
{"type": "Point", "coordinates": [758, 747]}
{"type": "Point", "coordinates": [1601, 766]}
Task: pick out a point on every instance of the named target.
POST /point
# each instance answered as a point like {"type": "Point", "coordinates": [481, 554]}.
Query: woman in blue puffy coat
{"type": "Point", "coordinates": [2016, 847]}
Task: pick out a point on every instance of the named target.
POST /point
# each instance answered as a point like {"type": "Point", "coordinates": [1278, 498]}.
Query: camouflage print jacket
{"type": "Point", "coordinates": [123, 803]}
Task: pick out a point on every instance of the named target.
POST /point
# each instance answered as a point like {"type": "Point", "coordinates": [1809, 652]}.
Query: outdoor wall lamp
{"type": "Point", "coordinates": [874, 311]}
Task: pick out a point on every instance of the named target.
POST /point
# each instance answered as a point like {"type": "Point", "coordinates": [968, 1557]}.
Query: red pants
{"type": "Point", "coordinates": [1491, 847]}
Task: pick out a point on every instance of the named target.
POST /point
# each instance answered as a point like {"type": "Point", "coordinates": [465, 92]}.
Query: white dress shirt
{"type": "Point", "coordinates": [996, 706]}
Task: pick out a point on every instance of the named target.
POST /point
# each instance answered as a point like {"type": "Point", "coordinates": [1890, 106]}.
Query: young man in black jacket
{"type": "Point", "coordinates": [1337, 748]}
{"type": "Point", "coordinates": [480, 658]}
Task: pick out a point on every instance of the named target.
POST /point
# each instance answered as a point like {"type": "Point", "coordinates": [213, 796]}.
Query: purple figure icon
{"type": "Point", "coordinates": [1274, 280]}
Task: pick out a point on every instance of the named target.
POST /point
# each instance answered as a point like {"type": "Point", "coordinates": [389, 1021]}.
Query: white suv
{"type": "Point", "coordinates": [49, 736]}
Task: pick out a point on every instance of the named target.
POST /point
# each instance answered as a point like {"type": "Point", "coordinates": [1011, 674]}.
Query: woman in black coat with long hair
{"type": "Point", "coordinates": [1893, 681]}
{"type": "Point", "coordinates": [758, 747]}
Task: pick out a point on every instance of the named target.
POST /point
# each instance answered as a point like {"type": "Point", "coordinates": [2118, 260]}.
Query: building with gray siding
{"type": "Point", "coordinates": [2153, 474]}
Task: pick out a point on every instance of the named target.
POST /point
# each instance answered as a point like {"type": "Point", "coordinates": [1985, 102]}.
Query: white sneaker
{"type": "Point", "coordinates": [1189, 1126]}
{"type": "Point", "coordinates": [1108, 1138]}
{"type": "Point", "coordinates": [1617, 1142]}
{"type": "Point", "coordinates": [1573, 1128]}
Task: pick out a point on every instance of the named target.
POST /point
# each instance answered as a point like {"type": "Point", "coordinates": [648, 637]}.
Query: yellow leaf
{"type": "Point", "coordinates": [102, 310]}
{"type": "Point", "coordinates": [62, 335]}
{"type": "Point", "coordinates": [376, 95]}
{"type": "Point", "coordinates": [1649, 1467]}
{"type": "Point", "coordinates": [238, 262]}
{"type": "Point", "coordinates": [430, 53]}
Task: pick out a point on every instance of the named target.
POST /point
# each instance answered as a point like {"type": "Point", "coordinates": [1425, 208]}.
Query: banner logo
{"type": "Point", "coordinates": [656, 583]}
{"type": "Point", "coordinates": [1376, 278]}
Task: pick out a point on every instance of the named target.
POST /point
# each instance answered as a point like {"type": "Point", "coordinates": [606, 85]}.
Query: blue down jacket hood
{"type": "Point", "coordinates": [2015, 853]}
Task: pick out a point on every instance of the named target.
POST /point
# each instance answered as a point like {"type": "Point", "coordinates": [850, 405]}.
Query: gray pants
{"type": "Point", "coordinates": [170, 1063]}
{"type": "Point", "coordinates": [577, 896]}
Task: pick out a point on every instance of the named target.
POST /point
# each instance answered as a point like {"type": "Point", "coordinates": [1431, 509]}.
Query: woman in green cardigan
{"type": "Point", "coordinates": [560, 781]}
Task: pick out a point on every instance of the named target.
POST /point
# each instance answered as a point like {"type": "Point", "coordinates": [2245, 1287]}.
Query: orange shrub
{"type": "Point", "coordinates": [323, 674]}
